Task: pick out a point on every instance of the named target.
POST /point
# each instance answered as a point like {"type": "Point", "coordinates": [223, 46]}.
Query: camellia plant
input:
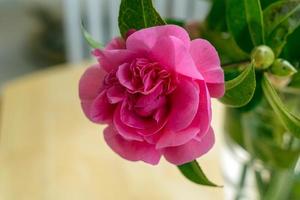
{"type": "Point", "coordinates": [153, 87]}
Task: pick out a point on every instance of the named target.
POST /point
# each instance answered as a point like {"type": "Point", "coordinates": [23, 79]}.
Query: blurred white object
{"type": "Point", "coordinates": [102, 19]}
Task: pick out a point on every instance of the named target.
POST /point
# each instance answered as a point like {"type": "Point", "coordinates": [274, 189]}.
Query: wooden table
{"type": "Point", "coordinates": [50, 151]}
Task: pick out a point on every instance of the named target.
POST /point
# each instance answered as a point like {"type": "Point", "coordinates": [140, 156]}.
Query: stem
{"type": "Point", "coordinates": [242, 182]}
{"type": "Point", "coordinates": [242, 62]}
{"type": "Point", "coordinates": [261, 187]}
{"type": "Point", "coordinates": [280, 185]}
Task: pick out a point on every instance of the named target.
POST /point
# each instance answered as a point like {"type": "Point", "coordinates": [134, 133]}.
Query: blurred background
{"type": "Point", "coordinates": [37, 34]}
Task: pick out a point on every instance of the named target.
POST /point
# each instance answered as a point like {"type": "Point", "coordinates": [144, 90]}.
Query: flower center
{"type": "Point", "coordinates": [147, 76]}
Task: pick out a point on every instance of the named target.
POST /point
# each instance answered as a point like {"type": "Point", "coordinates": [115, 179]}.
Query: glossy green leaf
{"type": "Point", "coordinates": [291, 51]}
{"type": "Point", "coordinates": [295, 83]}
{"type": "Point", "coordinates": [240, 90]}
{"type": "Point", "coordinates": [194, 173]}
{"type": "Point", "coordinates": [215, 19]}
{"type": "Point", "coordinates": [290, 121]}
{"type": "Point", "coordinates": [266, 3]}
{"type": "Point", "coordinates": [245, 23]}
{"type": "Point", "coordinates": [281, 19]}
{"type": "Point", "coordinates": [137, 14]}
{"type": "Point", "coordinates": [90, 40]}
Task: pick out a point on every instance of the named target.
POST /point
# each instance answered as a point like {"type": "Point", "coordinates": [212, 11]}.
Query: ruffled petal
{"type": "Point", "coordinates": [124, 76]}
{"type": "Point", "coordinates": [208, 63]}
{"type": "Point", "coordinates": [90, 83]}
{"type": "Point", "coordinates": [199, 126]}
{"type": "Point", "coordinates": [191, 150]}
{"type": "Point", "coordinates": [203, 117]}
{"type": "Point", "coordinates": [131, 150]}
{"type": "Point", "coordinates": [145, 39]}
{"type": "Point", "coordinates": [116, 43]}
{"type": "Point", "coordinates": [177, 59]}
{"type": "Point", "coordinates": [125, 131]}
{"type": "Point", "coordinates": [100, 110]}
{"type": "Point", "coordinates": [115, 94]}
{"type": "Point", "coordinates": [184, 105]}
{"type": "Point", "coordinates": [131, 119]}
{"type": "Point", "coordinates": [111, 59]}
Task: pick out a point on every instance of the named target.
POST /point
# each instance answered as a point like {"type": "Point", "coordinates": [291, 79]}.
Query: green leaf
{"type": "Point", "coordinates": [245, 23]}
{"type": "Point", "coordinates": [240, 90]}
{"type": "Point", "coordinates": [194, 173]}
{"type": "Point", "coordinates": [290, 121]}
{"type": "Point", "coordinates": [291, 49]}
{"type": "Point", "coordinates": [295, 83]}
{"type": "Point", "coordinates": [137, 14]}
{"type": "Point", "coordinates": [215, 19]}
{"type": "Point", "coordinates": [266, 3]}
{"type": "Point", "coordinates": [175, 21]}
{"type": "Point", "coordinates": [90, 40]}
{"type": "Point", "coordinates": [257, 97]}
{"type": "Point", "coordinates": [281, 19]}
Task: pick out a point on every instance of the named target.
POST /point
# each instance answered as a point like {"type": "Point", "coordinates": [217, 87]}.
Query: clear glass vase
{"type": "Point", "coordinates": [260, 158]}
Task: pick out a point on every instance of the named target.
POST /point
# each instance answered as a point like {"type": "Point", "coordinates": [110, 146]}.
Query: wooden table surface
{"type": "Point", "coordinates": [50, 151]}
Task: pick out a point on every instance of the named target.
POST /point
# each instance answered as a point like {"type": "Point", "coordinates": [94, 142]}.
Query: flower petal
{"type": "Point", "coordinates": [145, 39]}
{"type": "Point", "coordinates": [198, 127]}
{"type": "Point", "coordinates": [184, 105]}
{"type": "Point", "coordinates": [177, 58]}
{"type": "Point", "coordinates": [91, 82]}
{"type": "Point", "coordinates": [125, 131]}
{"type": "Point", "coordinates": [124, 76]}
{"type": "Point", "coordinates": [116, 43]}
{"type": "Point", "coordinates": [171, 138]}
{"type": "Point", "coordinates": [115, 94]}
{"type": "Point", "coordinates": [131, 150]}
{"type": "Point", "coordinates": [202, 119]}
{"type": "Point", "coordinates": [131, 119]}
{"type": "Point", "coordinates": [191, 150]}
{"type": "Point", "coordinates": [146, 105]}
{"type": "Point", "coordinates": [111, 59]}
{"type": "Point", "coordinates": [208, 63]}
{"type": "Point", "coordinates": [101, 110]}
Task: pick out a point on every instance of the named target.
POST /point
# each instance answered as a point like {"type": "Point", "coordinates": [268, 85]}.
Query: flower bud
{"type": "Point", "coordinates": [282, 67]}
{"type": "Point", "coordinates": [262, 57]}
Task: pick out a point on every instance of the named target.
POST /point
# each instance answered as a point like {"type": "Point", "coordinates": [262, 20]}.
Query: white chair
{"type": "Point", "coordinates": [101, 20]}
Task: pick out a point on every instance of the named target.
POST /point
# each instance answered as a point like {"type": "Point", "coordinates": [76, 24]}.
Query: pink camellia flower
{"type": "Point", "coordinates": [154, 90]}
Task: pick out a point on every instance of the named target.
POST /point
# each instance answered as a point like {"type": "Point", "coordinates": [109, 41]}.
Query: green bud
{"type": "Point", "coordinates": [262, 57]}
{"type": "Point", "coordinates": [282, 67]}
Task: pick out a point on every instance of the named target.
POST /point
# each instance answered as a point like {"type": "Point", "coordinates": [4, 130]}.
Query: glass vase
{"type": "Point", "coordinates": [260, 158]}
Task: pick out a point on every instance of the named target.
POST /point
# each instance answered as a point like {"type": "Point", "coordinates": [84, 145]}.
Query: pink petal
{"type": "Point", "coordinates": [111, 59]}
{"type": "Point", "coordinates": [90, 83]}
{"type": "Point", "coordinates": [115, 94]}
{"type": "Point", "coordinates": [171, 138]}
{"type": "Point", "coordinates": [124, 76]}
{"type": "Point", "coordinates": [125, 131]}
{"type": "Point", "coordinates": [191, 150]}
{"type": "Point", "coordinates": [184, 105]}
{"type": "Point", "coordinates": [207, 60]}
{"type": "Point", "coordinates": [131, 150]}
{"type": "Point", "coordinates": [199, 125]}
{"type": "Point", "coordinates": [116, 43]}
{"type": "Point", "coordinates": [202, 119]}
{"type": "Point", "coordinates": [131, 119]}
{"type": "Point", "coordinates": [147, 104]}
{"type": "Point", "coordinates": [177, 58]}
{"type": "Point", "coordinates": [100, 111]}
{"type": "Point", "coordinates": [145, 39]}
